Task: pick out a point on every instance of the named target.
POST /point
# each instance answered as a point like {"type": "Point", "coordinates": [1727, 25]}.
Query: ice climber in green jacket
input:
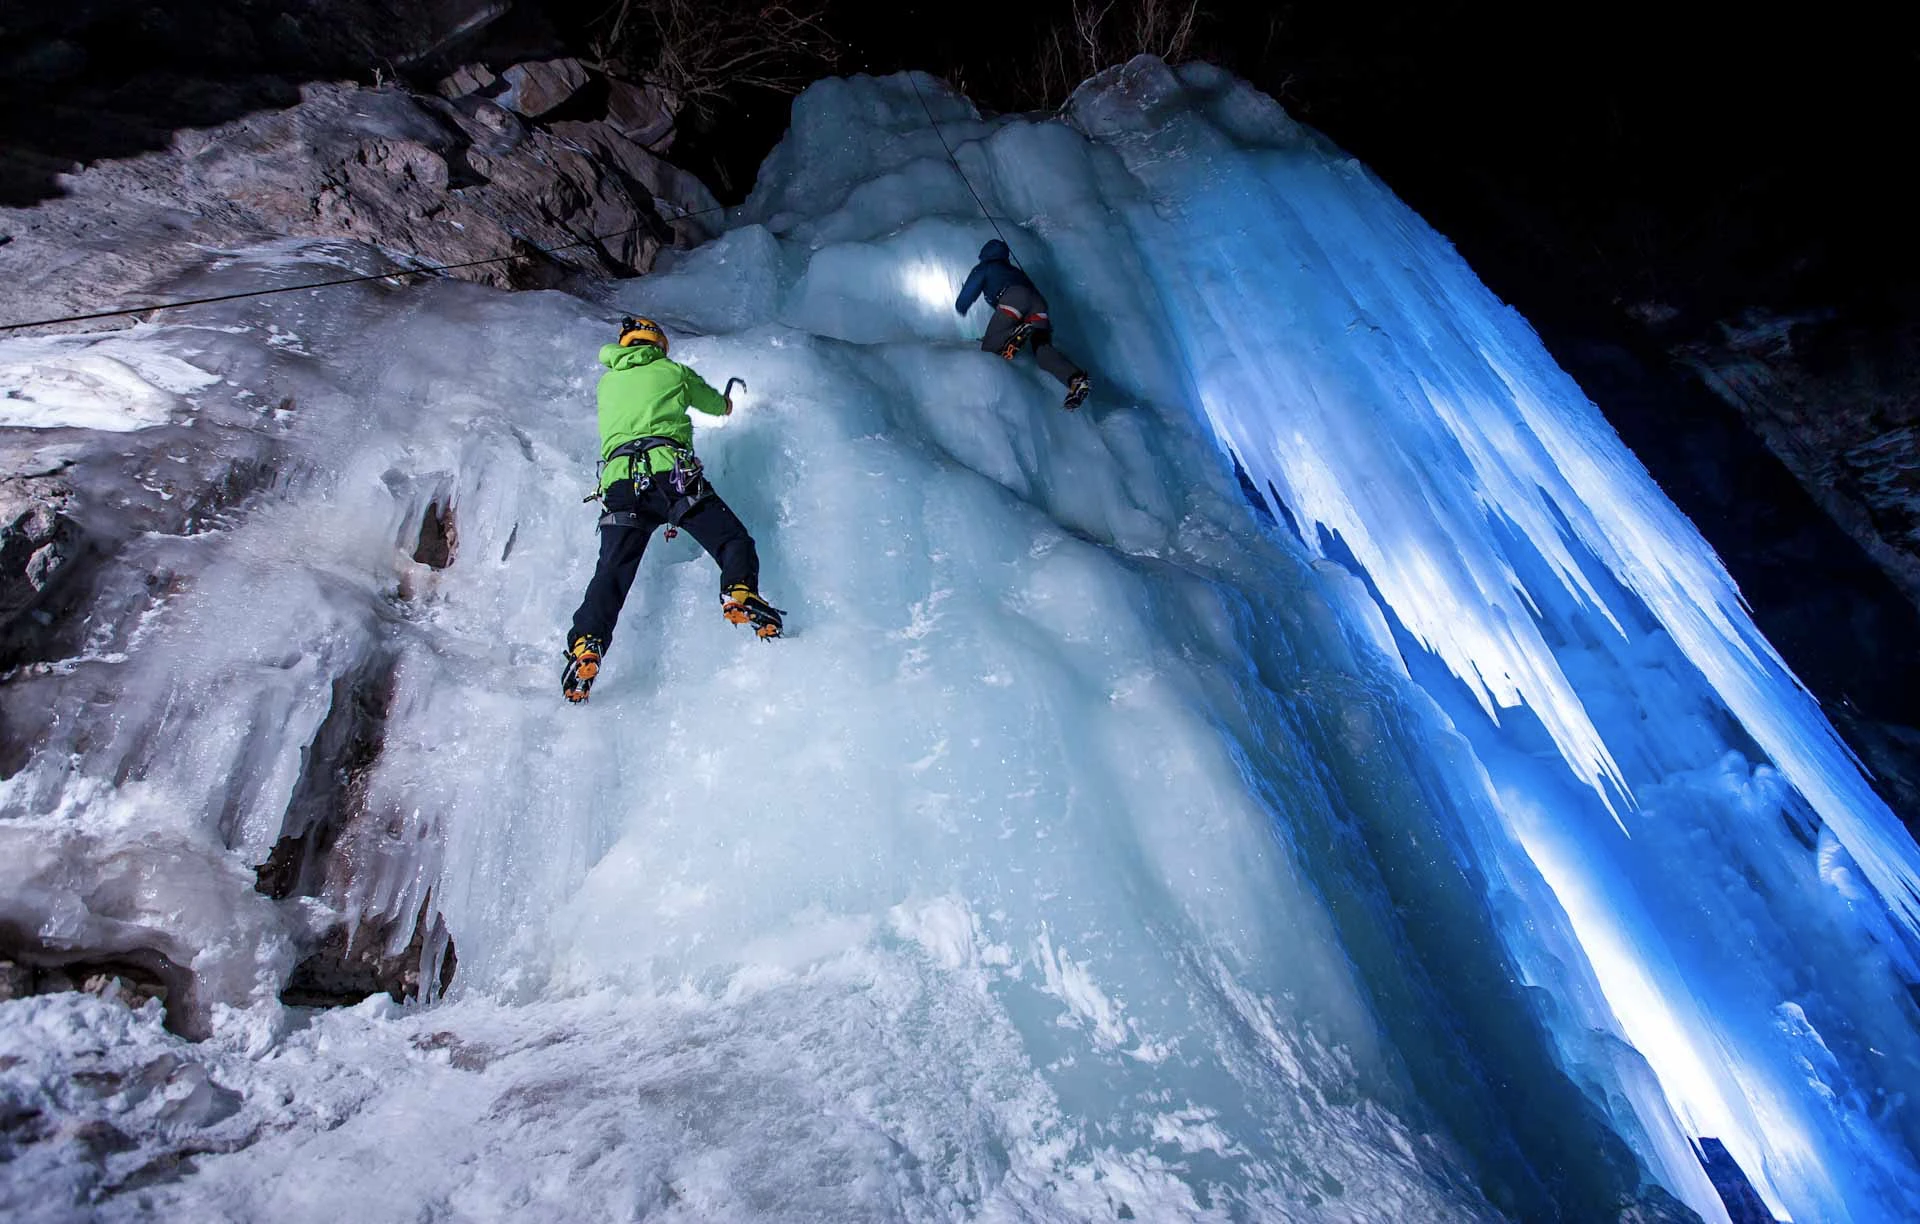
{"type": "Point", "coordinates": [649, 477]}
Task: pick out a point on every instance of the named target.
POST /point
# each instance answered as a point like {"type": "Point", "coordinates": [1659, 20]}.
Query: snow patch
{"type": "Point", "coordinates": [116, 384]}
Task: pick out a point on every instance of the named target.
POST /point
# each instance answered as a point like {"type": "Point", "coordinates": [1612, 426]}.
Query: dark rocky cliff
{"type": "Point", "coordinates": [97, 79]}
{"type": "Point", "coordinates": [151, 136]}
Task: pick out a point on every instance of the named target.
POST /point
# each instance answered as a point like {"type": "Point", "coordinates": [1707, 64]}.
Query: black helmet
{"type": "Point", "coordinates": [995, 249]}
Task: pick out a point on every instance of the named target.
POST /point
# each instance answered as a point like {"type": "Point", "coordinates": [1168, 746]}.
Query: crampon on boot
{"type": "Point", "coordinates": [583, 664]}
{"type": "Point", "coordinates": [741, 605]}
{"type": "Point", "coordinates": [1077, 392]}
{"type": "Point", "coordinates": [1017, 339]}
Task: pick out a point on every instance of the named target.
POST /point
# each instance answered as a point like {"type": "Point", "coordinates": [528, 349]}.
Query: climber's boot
{"type": "Point", "coordinates": [740, 604]}
{"type": "Point", "coordinates": [1077, 392]}
{"type": "Point", "coordinates": [583, 664]}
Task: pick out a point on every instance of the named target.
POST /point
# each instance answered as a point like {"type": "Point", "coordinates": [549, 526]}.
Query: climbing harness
{"type": "Point", "coordinates": [687, 478]}
{"type": "Point", "coordinates": [687, 475]}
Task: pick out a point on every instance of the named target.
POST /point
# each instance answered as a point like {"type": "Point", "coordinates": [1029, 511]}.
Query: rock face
{"type": "Point", "coordinates": [37, 539]}
{"type": "Point", "coordinates": [444, 180]}
{"type": "Point", "coordinates": [350, 965]}
{"type": "Point", "coordinates": [538, 90]}
{"type": "Point", "coordinates": [1837, 401]}
{"type": "Point", "coordinates": [643, 114]}
{"type": "Point", "coordinates": [108, 79]}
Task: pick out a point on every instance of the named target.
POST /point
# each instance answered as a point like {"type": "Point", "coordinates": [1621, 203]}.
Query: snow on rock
{"type": "Point", "coordinates": [79, 893]}
{"type": "Point", "coordinates": [111, 438]}
{"type": "Point", "coordinates": [106, 385]}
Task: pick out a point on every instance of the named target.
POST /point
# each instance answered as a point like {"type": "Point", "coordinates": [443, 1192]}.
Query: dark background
{"type": "Point", "coordinates": [1686, 155]}
{"type": "Point", "coordinates": [1704, 159]}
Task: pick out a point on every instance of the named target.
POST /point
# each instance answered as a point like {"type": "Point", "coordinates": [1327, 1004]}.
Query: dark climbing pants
{"type": "Point", "coordinates": [708, 521]}
{"type": "Point", "coordinates": [1019, 304]}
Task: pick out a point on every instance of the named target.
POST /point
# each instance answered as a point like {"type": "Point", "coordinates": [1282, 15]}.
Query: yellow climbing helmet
{"type": "Point", "coordinates": [634, 330]}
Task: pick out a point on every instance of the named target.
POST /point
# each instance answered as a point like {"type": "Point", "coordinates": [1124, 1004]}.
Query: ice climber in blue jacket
{"type": "Point", "coordinates": [1019, 318]}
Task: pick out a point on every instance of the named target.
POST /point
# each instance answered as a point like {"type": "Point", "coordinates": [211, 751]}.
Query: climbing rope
{"type": "Point", "coordinates": [427, 270]}
{"type": "Point", "coordinates": [935, 125]}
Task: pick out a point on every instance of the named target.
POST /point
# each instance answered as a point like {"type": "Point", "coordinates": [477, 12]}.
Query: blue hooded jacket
{"type": "Point", "coordinates": [991, 277]}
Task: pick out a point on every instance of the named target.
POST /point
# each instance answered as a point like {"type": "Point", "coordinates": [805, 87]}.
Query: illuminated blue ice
{"type": "Point", "coordinates": [1414, 425]}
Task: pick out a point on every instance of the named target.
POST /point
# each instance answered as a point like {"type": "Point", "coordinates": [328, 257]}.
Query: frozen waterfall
{"type": "Point", "coordinates": [1094, 846]}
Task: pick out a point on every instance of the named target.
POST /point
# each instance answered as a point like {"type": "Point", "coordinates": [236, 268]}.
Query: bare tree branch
{"type": "Point", "coordinates": [704, 51]}
{"type": "Point", "coordinates": [1097, 34]}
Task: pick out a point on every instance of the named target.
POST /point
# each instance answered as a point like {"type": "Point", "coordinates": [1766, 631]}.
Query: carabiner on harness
{"type": "Point", "coordinates": [686, 477]}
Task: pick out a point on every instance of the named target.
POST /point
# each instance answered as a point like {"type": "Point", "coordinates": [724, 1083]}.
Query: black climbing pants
{"type": "Point", "coordinates": [709, 521]}
{"type": "Point", "coordinates": [1019, 304]}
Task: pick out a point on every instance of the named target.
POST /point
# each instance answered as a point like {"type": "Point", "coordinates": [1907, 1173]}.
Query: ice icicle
{"type": "Point", "coordinates": [1360, 372]}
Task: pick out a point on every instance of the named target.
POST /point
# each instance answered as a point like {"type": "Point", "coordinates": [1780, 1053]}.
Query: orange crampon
{"type": "Point", "coordinates": [583, 664]}
{"type": "Point", "coordinates": [741, 605]}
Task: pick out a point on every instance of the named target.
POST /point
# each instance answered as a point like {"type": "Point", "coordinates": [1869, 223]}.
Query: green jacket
{"type": "Point", "coordinates": [642, 395]}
